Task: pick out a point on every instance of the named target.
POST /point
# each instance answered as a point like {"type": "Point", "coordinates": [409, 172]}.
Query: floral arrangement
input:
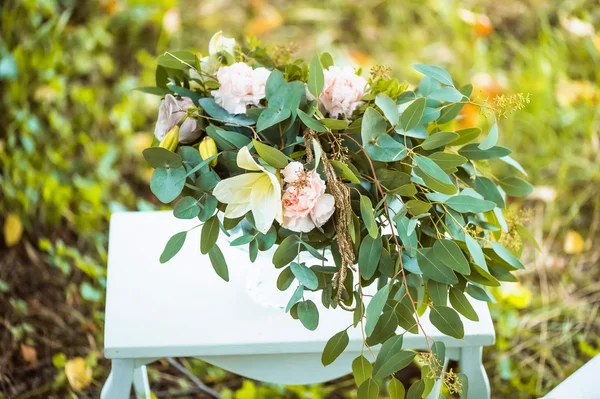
{"type": "Point", "coordinates": [366, 175]}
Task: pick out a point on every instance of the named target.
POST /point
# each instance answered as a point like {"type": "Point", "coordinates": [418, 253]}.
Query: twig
{"type": "Point", "coordinates": [193, 378]}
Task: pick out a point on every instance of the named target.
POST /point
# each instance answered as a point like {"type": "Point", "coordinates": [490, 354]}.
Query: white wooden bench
{"type": "Point", "coordinates": [183, 309]}
{"type": "Point", "coordinates": [579, 385]}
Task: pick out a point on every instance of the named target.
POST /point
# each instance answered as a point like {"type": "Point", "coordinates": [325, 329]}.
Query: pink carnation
{"type": "Point", "coordinates": [240, 86]}
{"type": "Point", "coordinates": [305, 203]}
{"type": "Point", "coordinates": [342, 91]}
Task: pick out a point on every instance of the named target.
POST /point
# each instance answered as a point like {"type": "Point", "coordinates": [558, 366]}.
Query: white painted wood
{"type": "Point", "coordinates": [120, 379]}
{"type": "Point", "coordinates": [182, 308]}
{"type": "Point", "coordinates": [582, 384]}
{"type": "Point", "coordinates": [140, 383]}
{"type": "Point", "coordinates": [470, 364]}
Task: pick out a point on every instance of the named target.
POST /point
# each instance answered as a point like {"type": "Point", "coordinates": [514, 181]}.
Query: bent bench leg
{"type": "Point", "coordinates": [471, 365]}
{"type": "Point", "coordinates": [140, 383]}
{"type": "Point", "coordinates": [119, 382]}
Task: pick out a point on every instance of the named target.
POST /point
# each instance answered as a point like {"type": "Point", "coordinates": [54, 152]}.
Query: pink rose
{"type": "Point", "coordinates": [305, 204]}
{"type": "Point", "coordinates": [240, 86]}
{"type": "Point", "coordinates": [342, 91]}
{"type": "Point", "coordinates": [292, 172]}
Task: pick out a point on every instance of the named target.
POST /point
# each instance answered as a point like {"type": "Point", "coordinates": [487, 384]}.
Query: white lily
{"type": "Point", "coordinates": [258, 192]}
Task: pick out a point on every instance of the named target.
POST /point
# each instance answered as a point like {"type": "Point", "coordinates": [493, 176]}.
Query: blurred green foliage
{"type": "Point", "coordinates": [72, 130]}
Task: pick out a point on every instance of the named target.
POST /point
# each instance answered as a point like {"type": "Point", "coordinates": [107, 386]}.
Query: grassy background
{"type": "Point", "coordinates": [72, 130]}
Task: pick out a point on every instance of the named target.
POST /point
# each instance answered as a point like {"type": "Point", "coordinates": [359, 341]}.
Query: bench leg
{"type": "Point", "coordinates": [471, 364]}
{"type": "Point", "coordinates": [119, 381]}
{"type": "Point", "coordinates": [140, 383]}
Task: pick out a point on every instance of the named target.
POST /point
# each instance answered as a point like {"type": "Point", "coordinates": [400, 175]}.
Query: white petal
{"type": "Point", "coordinates": [265, 202]}
{"type": "Point", "coordinates": [229, 190]}
{"type": "Point", "coordinates": [323, 209]}
{"type": "Point", "coordinates": [245, 160]}
{"type": "Point", "coordinates": [300, 225]}
{"type": "Point", "coordinates": [237, 210]}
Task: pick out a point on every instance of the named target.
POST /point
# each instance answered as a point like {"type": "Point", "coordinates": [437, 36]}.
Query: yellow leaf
{"type": "Point", "coordinates": [78, 373]}
{"type": "Point", "coordinates": [574, 243]}
{"type": "Point", "coordinates": [515, 294]}
{"type": "Point", "coordinates": [13, 230]}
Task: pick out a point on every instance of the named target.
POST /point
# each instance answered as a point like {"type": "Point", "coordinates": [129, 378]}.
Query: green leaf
{"type": "Point", "coordinates": [366, 211]}
{"type": "Point", "coordinates": [159, 157]}
{"type": "Point", "coordinates": [308, 314]}
{"type": "Point", "coordinates": [466, 135]}
{"type": "Point", "coordinates": [438, 292]}
{"type": "Point", "coordinates": [475, 251]}
{"type": "Point", "coordinates": [507, 256]}
{"type": "Point", "coordinates": [450, 254]}
{"type": "Point", "coordinates": [416, 390]}
{"type": "Point", "coordinates": [271, 116]}
{"type": "Point", "coordinates": [286, 252]}
{"type": "Point", "coordinates": [180, 59]}
{"type": "Point", "coordinates": [362, 370]}
{"type": "Point", "coordinates": [272, 156]}
{"type": "Point", "coordinates": [468, 204]}
{"type": "Point", "coordinates": [447, 161]}
{"type": "Point", "coordinates": [186, 208]}
{"type": "Point", "coordinates": [435, 177]}
{"type": "Point", "coordinates": [418, 207]}
{"type": "Point", "coordinates": [210, 234]}
{"type": "Point", "coordinates": [334, 124]}
{"type": "Point", "coordinates": [386, 149]}
{"type": "Point", "coordinates": [275, 82]}
{"type": "Point", "coordinates": [218, 262]}
{"type": "Point", "coordinates": [375, 307]}
{"type": "Point", "coordinates": [433, 268]}
{"type": "Point", "coordinates": [372, 126]}
{"type": "Point", "coordinates": [305, 276]}
{"type": "Point", "coordinates": [459, 301]}
{"type": "Point", "coordinates": [167, 184]}
{"type": "Point", "coordinates": [385, 328]}
{"type": "Point", "coordinates": [344, 171]}
{"type": "Point", "coordinates": [241, 240]}
{"type": "Point", "coordinates": [406, 318]}
{"type": "Point", "coordinates": [396, 389]}
{"type": "Point", "coordinates": [391, 358]}
{"type": "Point", "coordinates": [480, 293]}
{"type": "Point", "coordinates": [317, 152]}
{"type": "Point", "coordinates": [209, 105]}
{"type": "Point", "coordinates": [412, 115]}
{"type": "Point", "coordinates": [435, 72]}
{"type": "Point", "coordinates": [447, 321]}
{"type": "Point", "coordinates": [368, 390]}
{"type": "Point", "coordinates": [516, 187]}
{"type": "Point", "coordinates": [310, 122]}
{"type": "Point", "coordinates": [368, 256]}
{"type": "Point", "coordinates": [464, 382]}
{"type": "Point", "coordinates": [491, 140]}
{"type": "Point", "coordinates": [389, 108]}
{"type": "Point", "coordinates": [326, 60]}
{"type": "Point", "coordinates": [296, 296]}
{"type": "Point", "coordinates": [489, 191]}
{"type": "Point", "coordinates": [448, 94]}
{"type": "Point", "coordinates": [157, 91]}
{"type": "Point", "coordinates": [227, 140]}
{"type": "Point", "coordinates": [285, 279]}
{"type": "Point", "coordinates": [334, 347]}
{"type": "Point", "coordinates": [439, 350]}
{"type": "Point", "coordinates": [438, 140]}
{"type": "Point", "coordinates": [473, 152]}
{"type": "Point", "coordinates": [316, 78]}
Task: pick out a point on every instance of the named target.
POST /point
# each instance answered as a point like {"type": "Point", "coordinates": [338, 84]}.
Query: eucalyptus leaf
{"type": "Point", "coordinates": [334, 347]}
{"type": "Point", "coordinates": [210, 234]}
{"type": "Point", "coordinates": [316, 78]}
{"type": "Point", "coordinates": [450, 254]}
{"type": "Point", "coordinates": [435, 72]}
{"type": "Point", "coordinates": [286, 252]}
{"type": "Point", "coordinates": [305, 276]}
{"type": "Point", "coordinates": [516, 187]}
{"type": "Point", "coordinates": [366, 211]}
{"type": "Point", "coordinates": [167, 184]}
{"type": "Point", "coordinates": [466, 204]}
{"type": "Point", "coordinates": [389, 108]}
{"type": "Point", "coordinates": [186, 208]}
{"type": "Point", "coordinates": [159, 157]}
{"type": "Point", "coordinates": [439, 139]}
{"type": "Point", "coordinates": [272, 156]}
{"type": "Point", "coordinates": [459, 301]}
{"type": "Point", "coordinates": [375, 307]}
{"type": "Point", "coordinates": [218, 262]}
{"type": "Point", "coordinates": [491, 140]}
{"type": "Point", "coordinates": [447, 321]}
{"type": "Point", "coordinates": [411, 117]}
{"type": "Point", "coordinates": [368, 390]}
{"type": "Point", "coordinates": [173, 246]}
{"type": "Point", "coordinates": [362, 370]}
{"type": "Point", "coordinates": [310, 122]}
{"type": "Point", "coordinates": [308, 314]}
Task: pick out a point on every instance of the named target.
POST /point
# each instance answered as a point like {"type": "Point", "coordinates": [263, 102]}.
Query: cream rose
{"type": "Point", "coordinates": [172, 110]}
{"type": "Point", "coordinates": [240, 86]}
{"type": "Point", "coordinates": [342, 91]}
